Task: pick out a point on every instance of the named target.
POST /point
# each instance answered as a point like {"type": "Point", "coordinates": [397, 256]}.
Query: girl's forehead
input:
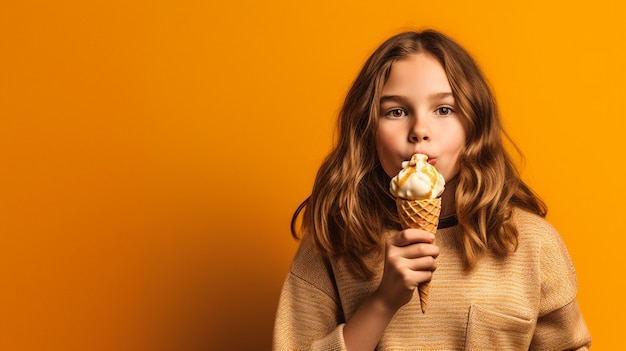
{"type": "Point", "coordinates": [418, 73]}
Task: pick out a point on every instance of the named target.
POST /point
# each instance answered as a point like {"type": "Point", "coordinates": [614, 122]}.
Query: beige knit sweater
{"type": "Point", "coordinates": [527, 301]}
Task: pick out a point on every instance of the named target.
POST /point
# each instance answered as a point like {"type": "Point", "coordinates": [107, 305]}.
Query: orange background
{"type": "Point", "coordinates": [152, 153]}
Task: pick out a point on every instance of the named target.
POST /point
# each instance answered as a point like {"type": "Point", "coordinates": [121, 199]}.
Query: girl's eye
{"type": "Point", "coordinates": [396, 113]}
{"type": "Point", "coordinates": [444, 111]}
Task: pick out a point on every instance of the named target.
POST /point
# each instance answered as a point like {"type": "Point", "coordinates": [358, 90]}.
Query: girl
{"type": "Point", "coordinates": [503, 276]}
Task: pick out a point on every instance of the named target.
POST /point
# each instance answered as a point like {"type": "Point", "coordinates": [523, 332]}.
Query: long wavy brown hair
{"type": "Point", "coordinates": [350, 206]}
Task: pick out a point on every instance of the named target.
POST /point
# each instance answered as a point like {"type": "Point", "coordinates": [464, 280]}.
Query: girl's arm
{"type": "Point", "coordinates": [562, 329]}
{"type": "Point", "coordinates": [560, 324]}
{"type": "Point", "coordinates": [307, 318]}
{"type": "Point", "coordinates": [409, 260]}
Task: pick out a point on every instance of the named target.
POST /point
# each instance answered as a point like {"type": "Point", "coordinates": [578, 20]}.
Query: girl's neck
{"type": "Point", "coordinates": [448, 203]}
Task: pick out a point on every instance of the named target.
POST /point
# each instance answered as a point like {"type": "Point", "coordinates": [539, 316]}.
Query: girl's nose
{"type": "Point", "coordinates": [419, 133]}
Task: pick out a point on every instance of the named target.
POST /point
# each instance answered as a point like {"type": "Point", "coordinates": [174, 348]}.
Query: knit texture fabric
{"type": "Point", "coordinates": [524, 302]}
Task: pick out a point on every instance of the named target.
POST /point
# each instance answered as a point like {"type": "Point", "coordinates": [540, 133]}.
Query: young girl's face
{"type": "Point", "coordinates": [418, 114]}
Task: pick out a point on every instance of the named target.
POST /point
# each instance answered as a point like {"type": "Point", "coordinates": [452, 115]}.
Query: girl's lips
{"type": "Point", "coordinates": [431, 160]}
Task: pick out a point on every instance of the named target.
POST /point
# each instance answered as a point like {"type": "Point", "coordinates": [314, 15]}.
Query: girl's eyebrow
{"type": "Point", "coordinates": [439, 96]}
{"type": "Point", "coordinates": [398, 98]}
{"type": "Point", "coordinates": [393, 98]}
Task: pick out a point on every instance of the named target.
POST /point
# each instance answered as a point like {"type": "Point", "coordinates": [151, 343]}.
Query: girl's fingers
{"type": "Point", "coordinates": [412, 279]}
{"type": "Point", "coordinates": [418, 250]}
{"type": "Point", "coordinates": [411, 236]}
{"type": "Point", "coordinates": [420, 277]}
{"type": "Point", "coordinates": [422, 264]}
{"type": "Point", "coordinates": [414, 250]}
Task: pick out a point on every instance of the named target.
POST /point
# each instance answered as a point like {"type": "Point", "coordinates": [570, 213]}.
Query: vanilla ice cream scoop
{"type": "Point", "coordinates": [417, 180]}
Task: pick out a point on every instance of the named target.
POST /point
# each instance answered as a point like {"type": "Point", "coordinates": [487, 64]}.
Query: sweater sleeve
{"type": "Point", "coordinates": [306, 319]}
{"type": "Point", "coordinates": [560, 324]}
{"type": "Point", "coordinates": [309, 316]}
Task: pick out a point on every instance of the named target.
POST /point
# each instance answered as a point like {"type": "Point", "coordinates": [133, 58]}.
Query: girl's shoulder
{"type": "Point", "coordinates": [533, 228]}
{"type": "Point", "coordinates": [528, 221]}
{"type": "Point", "coordinates": [540, 238]}
{"type": "Point", "coordinates": [312, 267]}
{"type": "Point", "coordinates": [308, 260]}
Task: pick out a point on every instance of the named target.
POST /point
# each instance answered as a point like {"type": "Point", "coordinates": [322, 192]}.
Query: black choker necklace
{"type": "Point", "coordinates": [447, 222]}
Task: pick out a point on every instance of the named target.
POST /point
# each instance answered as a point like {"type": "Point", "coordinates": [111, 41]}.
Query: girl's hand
{"type": "Point", "coordinates": [409, 260]}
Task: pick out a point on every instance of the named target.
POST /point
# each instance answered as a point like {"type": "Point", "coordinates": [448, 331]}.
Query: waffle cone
{"type": "Point", "coordinates": [421, 214]}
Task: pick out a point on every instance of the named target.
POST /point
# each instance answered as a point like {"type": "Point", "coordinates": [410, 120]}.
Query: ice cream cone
{"type": "Point", "coordinates": [422, 214]}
